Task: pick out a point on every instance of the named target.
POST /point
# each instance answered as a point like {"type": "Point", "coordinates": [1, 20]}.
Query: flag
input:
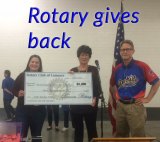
{"type": "Point", "coordinates": [117, 60]}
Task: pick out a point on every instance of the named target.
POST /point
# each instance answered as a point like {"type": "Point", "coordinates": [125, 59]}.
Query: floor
{"type": "Point", "coordinates": [152, 130]}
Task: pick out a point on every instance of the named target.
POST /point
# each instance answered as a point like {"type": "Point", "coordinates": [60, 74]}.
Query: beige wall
{"type": "Point", "coordinates": [14, 35]}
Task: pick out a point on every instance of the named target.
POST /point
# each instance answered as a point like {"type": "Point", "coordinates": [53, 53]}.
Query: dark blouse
{"type": "Point", "coordinates": [19, 85]}
{"type": "Point", "coordinates": [96, 87]}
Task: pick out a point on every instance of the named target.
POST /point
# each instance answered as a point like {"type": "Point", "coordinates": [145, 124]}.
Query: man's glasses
{"type": "Point", "coordinates": [127, 49]}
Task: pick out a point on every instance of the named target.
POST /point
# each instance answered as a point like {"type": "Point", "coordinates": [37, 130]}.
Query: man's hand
{"type": "Point", "coordinates": [141, 101]}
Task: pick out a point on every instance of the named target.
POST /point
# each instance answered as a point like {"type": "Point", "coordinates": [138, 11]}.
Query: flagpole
{"type": "Point", "coordinates": [117, 60]}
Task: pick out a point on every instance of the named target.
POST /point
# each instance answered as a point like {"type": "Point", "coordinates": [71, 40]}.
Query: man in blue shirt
{"type": "Point", "coordinates": [129, 81]}
{"type": "Point", "coordinates": [7, 86]}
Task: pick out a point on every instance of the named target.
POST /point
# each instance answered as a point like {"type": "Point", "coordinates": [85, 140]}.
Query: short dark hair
{"type": "Point", "coordinates": [7, 72]}
{"type": "Point", "coordinates": [34, 56]}
{"type": "Point", "coordinates": [84, 49]}
{"type": "Point", "coordinates": [128, 42]}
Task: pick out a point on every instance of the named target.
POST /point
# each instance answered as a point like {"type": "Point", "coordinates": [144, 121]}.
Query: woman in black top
{"type": "Point", "coordinates": [86, 112]}
{"type": "Point", "coordinates": [31, 116]}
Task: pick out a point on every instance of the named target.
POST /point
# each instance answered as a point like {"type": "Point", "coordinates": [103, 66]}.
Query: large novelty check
{"type": "Point", "coordinates": [47, 88]}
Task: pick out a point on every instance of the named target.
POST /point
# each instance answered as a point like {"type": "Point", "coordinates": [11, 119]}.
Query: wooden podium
{"type": "Point", "coordinates": [130, 139]}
